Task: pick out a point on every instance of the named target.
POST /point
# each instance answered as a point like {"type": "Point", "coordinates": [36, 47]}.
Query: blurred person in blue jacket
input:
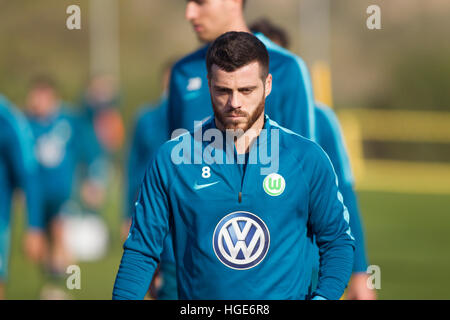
{"type": "Point", "coordinates": [18, 169]}
{"type": "Point", "coordinates": [54, 129]}
{"type": "Point", "coordinates": [101, 136]}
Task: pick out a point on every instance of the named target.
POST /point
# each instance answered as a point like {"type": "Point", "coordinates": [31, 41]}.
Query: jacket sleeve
{"type": "Point", "coordinates": [329, 221]}
{"type": "Point", "coordinates": [134, 171]}
{"type": "Point", "coordinates": [142, 249]}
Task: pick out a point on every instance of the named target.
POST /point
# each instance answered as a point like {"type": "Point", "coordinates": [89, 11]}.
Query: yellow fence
{"type": "Point", "coordinates": [402, 126]}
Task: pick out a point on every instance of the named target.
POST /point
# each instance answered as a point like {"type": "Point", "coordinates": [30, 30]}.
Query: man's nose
{"type": "Point", "coordinates": [191, 11]}
{"type": "Point", "coordinates": [234, 100]}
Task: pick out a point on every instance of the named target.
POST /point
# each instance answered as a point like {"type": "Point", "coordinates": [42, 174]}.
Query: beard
{"type": "Point", "coordinates": [244, 123]}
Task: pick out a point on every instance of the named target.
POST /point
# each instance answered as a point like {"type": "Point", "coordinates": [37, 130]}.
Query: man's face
{"type": "Point", "coordinates": [42, 101]}
{"type": "Point", "coordinates": [209, 18]}
{"type": "Point", "coordinates": [102, 90]}
{"type": "Point", "coordinates": [238, 97]}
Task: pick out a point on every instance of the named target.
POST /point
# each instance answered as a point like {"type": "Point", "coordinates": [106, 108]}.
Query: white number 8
{"type": "Point", "coordinates": [206, 172]}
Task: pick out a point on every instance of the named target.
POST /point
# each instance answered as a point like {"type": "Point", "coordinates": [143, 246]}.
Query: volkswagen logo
{"type": "Point", "coordinates": [241, 240]}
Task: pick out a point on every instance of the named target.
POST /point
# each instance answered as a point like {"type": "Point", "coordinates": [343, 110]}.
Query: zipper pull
{"type": "Point", "coordinates": [240, 197]}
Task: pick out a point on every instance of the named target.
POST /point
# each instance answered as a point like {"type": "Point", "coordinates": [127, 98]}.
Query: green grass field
{"type": "Point", "coordinates": [407, 236]}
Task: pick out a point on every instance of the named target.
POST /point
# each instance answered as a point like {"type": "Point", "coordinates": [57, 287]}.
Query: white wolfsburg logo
{"type": "Point", "coordinates": [241, 240]}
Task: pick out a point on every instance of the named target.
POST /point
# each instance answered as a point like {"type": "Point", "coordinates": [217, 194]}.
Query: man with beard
{"type": "Point", "coordinates": [291, 103]}
{"type": "Point", "coordinates": [240, 230]}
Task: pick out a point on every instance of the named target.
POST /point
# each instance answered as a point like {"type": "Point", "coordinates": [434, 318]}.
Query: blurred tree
{"type": "Point", "coordinates": [421, 80]}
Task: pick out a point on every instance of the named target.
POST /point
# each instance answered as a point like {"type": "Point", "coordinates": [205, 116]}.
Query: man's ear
{"type": "Point", "coordinates": [268, 85]}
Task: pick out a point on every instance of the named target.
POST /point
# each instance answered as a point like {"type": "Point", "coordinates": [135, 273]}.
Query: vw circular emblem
{"type": "Point", "coordinates": [241, 240]}
{"type": "Point", "coordinates": [274, 184]}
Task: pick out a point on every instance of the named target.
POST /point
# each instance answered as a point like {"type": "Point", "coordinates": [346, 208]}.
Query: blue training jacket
{"type": "Point", "coordinates": [329, 137]}
{"type": "Point", "coordinates": [18, 167]}
{"type": "Point", "coordinates": [57, 153]}
{"type": "Point", "coordinates": [238, 233]}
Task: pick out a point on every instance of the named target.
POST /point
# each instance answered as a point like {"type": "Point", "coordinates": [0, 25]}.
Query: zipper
{"type": "Point", "coordinates": [245, 168]}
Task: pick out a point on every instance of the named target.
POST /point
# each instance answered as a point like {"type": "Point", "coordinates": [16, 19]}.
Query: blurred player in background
{"type": "Point", "coordinates": [18, 169]}
{"type": "Point", "coordinates": [271, 31]}
{"type": "Point", "coordinates": [151, 130]}
{"type": "Point", "coordinates": [329, 136]}
{"type": "Point", "coordinates": [54, 130]}
{"type": "Point", "coordinates": [101, 136]}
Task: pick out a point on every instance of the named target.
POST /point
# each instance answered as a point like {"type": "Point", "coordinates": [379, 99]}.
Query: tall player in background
{"type": "Point", "coordinates": [101, 136]}
{"type": "Point", "coordinates": [329, 136]}
{"type": "Point", "coordinates": [18, 168]}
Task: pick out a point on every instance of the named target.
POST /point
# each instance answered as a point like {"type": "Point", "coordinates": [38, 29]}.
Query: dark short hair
{"type": "Point", "coordinates": [271, 31]}
{"type": "Point", "coordinates": [42, 81]}
{"type": "Point", "coordinates": [234, 50]}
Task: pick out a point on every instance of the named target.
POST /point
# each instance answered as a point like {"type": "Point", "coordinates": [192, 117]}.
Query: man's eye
{"type": "Point", "coordinates": [246, 90]}
{"type": "Point", "coordinates": [199, 2]}
{"type": "Point", "coordinates": [222, 91]}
